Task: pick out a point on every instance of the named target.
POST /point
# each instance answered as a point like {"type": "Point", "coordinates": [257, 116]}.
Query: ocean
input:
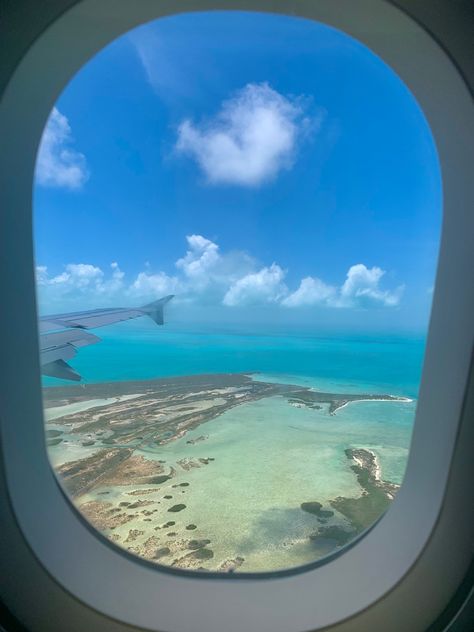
{"type": "Point", "coordinates": [269, 456]}
{"type": "Point", "coordinates": [131, 351]}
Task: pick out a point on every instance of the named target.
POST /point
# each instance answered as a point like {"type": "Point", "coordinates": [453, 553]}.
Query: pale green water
{"type": "Point", "coordinates": [269, 458]}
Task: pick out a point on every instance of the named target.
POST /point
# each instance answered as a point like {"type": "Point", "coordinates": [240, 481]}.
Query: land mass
{"type": "Point", "coordinates": [111, 434]}
{"type": "Point", "coordinates": [164, 410]}
{"type": "Point", "coordinates": [360, 512]}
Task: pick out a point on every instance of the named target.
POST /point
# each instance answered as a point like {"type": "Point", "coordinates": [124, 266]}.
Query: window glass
{"type": "Point", "coordinates": [237, 219]}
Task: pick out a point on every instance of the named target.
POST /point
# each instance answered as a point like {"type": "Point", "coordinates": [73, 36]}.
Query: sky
{"type": "Point", "coordinates": [259, 167]}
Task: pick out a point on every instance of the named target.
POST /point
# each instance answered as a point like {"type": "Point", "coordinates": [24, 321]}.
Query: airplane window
{"type": "Point", "coordinates": [237, 220]}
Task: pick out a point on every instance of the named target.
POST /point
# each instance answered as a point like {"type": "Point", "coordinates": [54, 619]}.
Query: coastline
{"type": "Point", "coordinates": [158, 476]}
{"type": "Point", "coordinates": [396, 398]}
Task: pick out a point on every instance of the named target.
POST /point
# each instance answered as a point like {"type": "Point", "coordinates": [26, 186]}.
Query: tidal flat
{"type": "Point", "coordinates": [220, 472]}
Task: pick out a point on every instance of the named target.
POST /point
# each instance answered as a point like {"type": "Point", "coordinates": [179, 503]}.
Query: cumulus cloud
{"type": "Point", "coordinates": [249, 141]}
{"type": "Point", "coordinates": [359, 277]}
{"type": "Point", "coordinates": [58, 164]}
{"type": "Point", "coordinates": [207, 276]}
{"type": "Point", "coordinates": [264, 286]}
{"type": "Point", "coordinates": [362, 286]}
{"type": "Point", "coordinates": [81, 280]}
{"type": "Point", "coordinates": [200, 259]}
{"type": "Point", "coordinates": [312, 291]}
{"type": "Point", "coordinates": [206, 269]}
{"type": "Point", "coordinates": [115, 283]}
{"type": "Point", "coordinates": [76, 277]}
{"type": "Point", "coordinates": [360, 289]}
{"type": "Point", "coordinates": [79, 284]}
{"type": "Point", "coordinates": [154, 285]}
{"type": "Point", "coordinates": [79, 276]}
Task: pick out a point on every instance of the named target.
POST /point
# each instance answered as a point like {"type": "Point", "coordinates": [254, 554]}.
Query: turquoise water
{"type": "Point", "coordinates": [269, 457]}
{"type": "Point", "coordinates": [131, 352]}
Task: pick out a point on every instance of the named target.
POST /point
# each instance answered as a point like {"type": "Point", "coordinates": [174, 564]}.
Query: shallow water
{"type": "Point", "coordinates": [269, 456]}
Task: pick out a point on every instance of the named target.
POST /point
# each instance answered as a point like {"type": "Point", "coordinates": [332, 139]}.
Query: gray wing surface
{"type": "Point", "coordinates": [61, 335]}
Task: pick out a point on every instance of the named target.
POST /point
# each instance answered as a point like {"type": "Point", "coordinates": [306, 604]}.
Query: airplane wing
{"type": "Point", "coordinates": [61, 335]}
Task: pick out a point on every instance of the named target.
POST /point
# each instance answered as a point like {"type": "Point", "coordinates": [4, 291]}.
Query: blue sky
{"type": "Point", "coordinates": [258, 166]}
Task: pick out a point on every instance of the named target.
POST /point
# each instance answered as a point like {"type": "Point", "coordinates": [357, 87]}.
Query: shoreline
{"type": "Point", "coordinates": [394, 398]}
{"type": "Point", "coordinates": [296, 394]}
{"type": "Point", "coordinates": [124, 468]}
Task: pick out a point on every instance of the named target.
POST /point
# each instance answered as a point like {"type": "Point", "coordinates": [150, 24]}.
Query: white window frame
{"type": "Point", "coordinates": [402, 572]}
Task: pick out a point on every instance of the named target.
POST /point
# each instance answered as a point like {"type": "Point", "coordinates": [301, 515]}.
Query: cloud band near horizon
{"type": "Point", "coordinates": [207, 276]}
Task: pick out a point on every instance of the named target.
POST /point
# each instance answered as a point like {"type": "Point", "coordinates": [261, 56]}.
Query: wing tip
{"type": "Point", "coordinates": [60, 369]}
{"type": "Point", "coordinates": [155, 309]}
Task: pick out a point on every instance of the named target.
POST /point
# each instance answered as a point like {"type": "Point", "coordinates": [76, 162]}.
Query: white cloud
{"type": "Point", "coordinates": [88, 285]}
{"type": "Point", "coordinates": [360, 277]}
{"type": "Point", "coordinates": [264, 286]}
{"type": "Point", "coordinates": [79, 276]}
{"type": "Point", "coordinates": [200, 259]}
{"type": "Point", "coordinates": [207, 276]}
{"type": "Point", "coordinates": [250, 140]}
{"type": "Point", "coordinates": [80, 279]}
{"type": "Point", "coordinates": [312, 291]}
{"type": "Point", "coordinates": [151, 286]}
{"type": "Point", "coordinates": [208, 270]}
{"type": "Point", "coordinates": [116, 282]}
{"type": "Point", "coordinates": [59, 165]}
{"type": "Point", "coordinates": [362, 286]}
{"type": "Point", "coordinates": [75, 277]}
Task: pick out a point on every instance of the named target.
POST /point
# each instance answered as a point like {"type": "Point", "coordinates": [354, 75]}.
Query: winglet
{"type": "Point", "coordinates": [155, 310]}
{"type": "Point", "coordinates": [60, 369]}
{"type": "Point", "coordinates": [59, 346]}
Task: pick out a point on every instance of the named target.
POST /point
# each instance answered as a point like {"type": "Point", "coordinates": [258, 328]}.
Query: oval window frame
{"type": "Point", "coordinates": [299, 600]}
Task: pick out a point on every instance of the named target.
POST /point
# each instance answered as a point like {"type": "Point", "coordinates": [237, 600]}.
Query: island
{"type": "Point", "coordinates": [105, 441]}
